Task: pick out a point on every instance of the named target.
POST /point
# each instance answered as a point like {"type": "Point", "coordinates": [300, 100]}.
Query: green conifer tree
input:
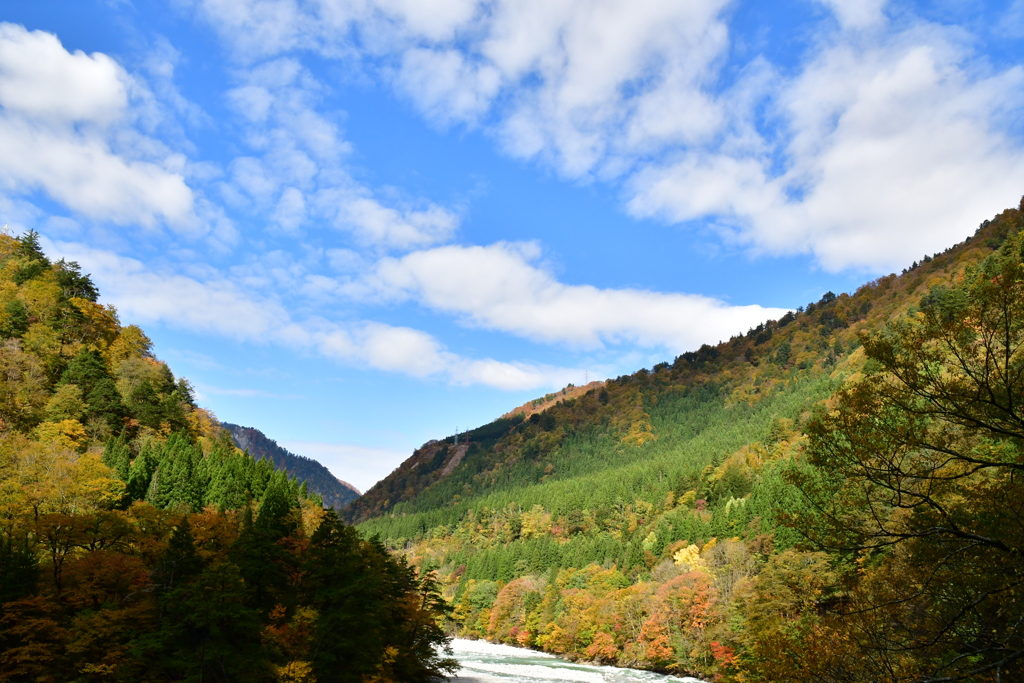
{"type": "Point", "coordinates": [89, 372]}
{"type": "Point", "coordinates": [140, 473]}
{"type": "Point", "coordinates": [117, 455]}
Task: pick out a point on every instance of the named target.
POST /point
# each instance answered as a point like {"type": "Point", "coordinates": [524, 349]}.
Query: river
{"type": "Point", "coordinates": [484, 662]}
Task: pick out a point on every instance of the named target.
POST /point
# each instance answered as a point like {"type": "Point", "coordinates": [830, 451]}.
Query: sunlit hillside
{"type": "Point", "coordinates": [137, 543]}
{"type": "Point", "coordinates": [642, 522]}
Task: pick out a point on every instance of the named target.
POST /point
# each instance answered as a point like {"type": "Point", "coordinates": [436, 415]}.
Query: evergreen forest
{"type": "Point", "coordinates": [137, 543]}
{"type": "Point", "coordinates": [832, 496]}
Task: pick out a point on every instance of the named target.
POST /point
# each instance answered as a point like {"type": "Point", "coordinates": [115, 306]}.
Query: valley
{"type": "Point", "coordinates": [649, 521]}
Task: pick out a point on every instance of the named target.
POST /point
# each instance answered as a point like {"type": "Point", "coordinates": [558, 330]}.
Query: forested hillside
{"type": "Point", "coordinates": [539, 405]}
{"type": "Point", "coordinates": [334, 492]}
{"type": "Point", "coordinates": [832, 496]}
{"type": "Point", "coordinates": [137, 543]}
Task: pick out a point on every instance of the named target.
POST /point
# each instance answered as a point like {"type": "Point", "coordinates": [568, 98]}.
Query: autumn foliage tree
{"type": "Point", "coordinates": [137, 544]}
{"type": "Point", "coordinates": [918, 480]}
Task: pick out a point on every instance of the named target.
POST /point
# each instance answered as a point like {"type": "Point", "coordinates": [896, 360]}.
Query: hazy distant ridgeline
{"type": "Point", "coordinates": [336, 493]}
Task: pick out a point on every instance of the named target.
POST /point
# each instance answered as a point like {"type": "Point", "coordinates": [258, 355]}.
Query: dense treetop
{"type": "Point", "coordinates": [137, 543]}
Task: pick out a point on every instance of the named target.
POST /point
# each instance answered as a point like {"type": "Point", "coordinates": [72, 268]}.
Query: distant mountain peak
{"type": "Point", "coordinates": [335, 492]}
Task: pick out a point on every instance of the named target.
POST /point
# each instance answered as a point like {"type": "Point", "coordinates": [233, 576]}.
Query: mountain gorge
{"type": "Point", "coordinates": [334, 492]}
{"type": "Point", "coordinates": [753, 510]}
{"type": "Point", "coordinates": [831, 496]}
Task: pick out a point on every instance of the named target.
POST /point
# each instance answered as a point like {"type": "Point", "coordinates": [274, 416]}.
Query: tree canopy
{"type": "Point", "coordinates": [917, 476]}
{"type": "Point", "coordinates": [138, 544]}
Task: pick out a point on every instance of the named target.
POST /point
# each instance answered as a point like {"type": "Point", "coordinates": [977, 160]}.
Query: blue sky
{"type": "Point", "coordinates": [359, 224]}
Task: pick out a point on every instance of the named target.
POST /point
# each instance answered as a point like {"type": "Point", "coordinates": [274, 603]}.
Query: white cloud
{"type": "Point", "coordinates": [500, 287]}
{"type": "Point", "coordinates": [856, 13]}
{"type": "Point", "coordinates": [215, 306]}
{"type": "Point", "coordinates": [160, 65]}
{"type": "Point", "coordinates": [566, 72]}
{"type": "Point", "coordinates": [251, 101]}
{"type": "Point", "coordinates": [876, 134]}
{"type": "Point", "coordinates": [40, 79]}
{"type": "Point", "coordinates": [392, 348]}
{"type": "Point", "coordinates": [220, 306]}
{"type": "Point", "coordinates": [297, 174]}
{"type": "Point", "coordinates": [375, 224]}
{"type": "Point", "coordinates": [435, 21]}
{"type": "Point", "coordinates": [895, 150]}
{"type": "Point", "coordinates": [344, 260]}
{"type": "Point", "coordinates": [62, 115]}
{"type": "Point", "coordinates": [82, 173]}
{"type": "Point", "coordinates": [250, 175]}
{"type": "Point", "coordinates": [291, 209]}
{"type": "Point", "coordinates": [259, 28]}
{"type": "Point", "coordinates": [445, 86]}
{"type": "Point", "coordinates": [416, 353]}
{"type": "Point", "coordinates": [596, 63]}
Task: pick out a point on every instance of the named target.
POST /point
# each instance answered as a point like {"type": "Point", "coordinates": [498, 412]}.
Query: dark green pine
{"type": "Point", "coordinates": [89, 372]}
{"type": "Point", "coordinates": [117, 456]}
{"type": "Point", "coordinates": [141, 471]}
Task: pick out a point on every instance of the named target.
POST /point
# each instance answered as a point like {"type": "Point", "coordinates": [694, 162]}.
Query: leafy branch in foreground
{"type": "Point", "coordinates": [918, 477]}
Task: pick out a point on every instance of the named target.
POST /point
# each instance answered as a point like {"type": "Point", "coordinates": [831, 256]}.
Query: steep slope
{"type": "Point", "coordinates": [799, 358]}
{"type": "Point", "coordinates": [137, 543]}
{"type": "Point", "coordinates": [428, 465]}
{"type": "Point", "coordinates": [335, 493]}
{"type": "Point", "coordinates": [544, 529]}
{"type": "Point", "coordinates": [80, 391]}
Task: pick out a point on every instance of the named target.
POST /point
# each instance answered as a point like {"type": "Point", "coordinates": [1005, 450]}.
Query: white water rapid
{"type": "Point", "coordinates": [484, 662]}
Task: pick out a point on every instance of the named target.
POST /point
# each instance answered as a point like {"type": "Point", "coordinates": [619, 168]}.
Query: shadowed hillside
{"type": "Point", "coordinates": [335, 493]}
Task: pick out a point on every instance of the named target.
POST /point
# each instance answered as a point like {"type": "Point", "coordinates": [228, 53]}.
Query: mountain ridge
{"type": "Point", "coordinates": [335, 492]}
{"type": "Point", "coordinates": [669, 494]}
{"type": "Point", "coordinates": [542, 403]}
{"type": "Point", "coordinates": [841, 316]}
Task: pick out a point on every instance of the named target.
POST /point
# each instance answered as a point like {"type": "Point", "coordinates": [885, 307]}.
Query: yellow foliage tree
{"type": "Point", "coordinates": [42, 478]}
{"type": "Point", "coordinates": [67, 434]}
